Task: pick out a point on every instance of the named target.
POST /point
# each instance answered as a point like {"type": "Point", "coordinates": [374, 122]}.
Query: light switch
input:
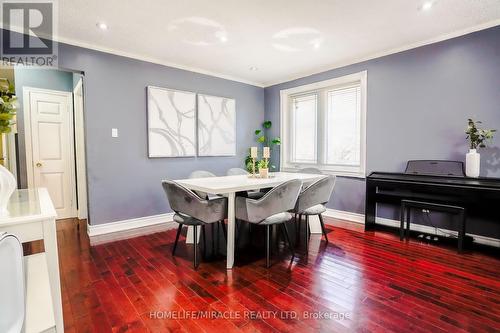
{"type": "Point", "coordinates": [114, 132]}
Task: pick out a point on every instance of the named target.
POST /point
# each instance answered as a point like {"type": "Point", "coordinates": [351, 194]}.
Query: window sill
{"type": "Point", "coordinates": [349, 174]}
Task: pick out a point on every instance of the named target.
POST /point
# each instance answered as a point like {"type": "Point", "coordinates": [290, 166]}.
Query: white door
{"type": "Point", "coordinates": [52, 147]}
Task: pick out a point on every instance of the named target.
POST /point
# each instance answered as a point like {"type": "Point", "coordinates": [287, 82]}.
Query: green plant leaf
{"type": "Point", "coordinates": [267, 124]}
{"type": "Point", "coordinates": [249, 166]}
{"type": "Point", "coordinates": [276, 141]}
{"type": "Point", "coordinates": [257, 132]}
{"type": "Point", "coordinates": [261, 139]}
{"type": "Point", "coordinates": [6, 116]}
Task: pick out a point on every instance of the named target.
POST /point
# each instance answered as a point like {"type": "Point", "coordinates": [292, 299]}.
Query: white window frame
{"type": "Point", "coordinates": [321, 87]}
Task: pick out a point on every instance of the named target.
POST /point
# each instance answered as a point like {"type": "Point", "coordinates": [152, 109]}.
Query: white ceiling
{"type": "Point", "coordinates": [284, 39]}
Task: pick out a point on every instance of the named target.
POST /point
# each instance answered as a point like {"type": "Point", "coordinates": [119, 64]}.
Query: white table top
{"type": "Point", "coordinates": [28, 205]}
{"type": "Point", "coordinates": [230, 184]}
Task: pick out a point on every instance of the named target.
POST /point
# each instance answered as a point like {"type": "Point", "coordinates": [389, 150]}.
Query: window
{"type": "Point", "coordinates": [323, 126]}
{"type": "Point", "coordinates": [304, 111]}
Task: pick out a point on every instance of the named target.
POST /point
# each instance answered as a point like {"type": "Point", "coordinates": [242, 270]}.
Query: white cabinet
{"type": "Point", "coordinates": [32, 217]}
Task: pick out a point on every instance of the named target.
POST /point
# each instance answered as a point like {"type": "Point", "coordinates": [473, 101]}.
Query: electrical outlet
{"type": "Point", "coordinates": [114, 132]}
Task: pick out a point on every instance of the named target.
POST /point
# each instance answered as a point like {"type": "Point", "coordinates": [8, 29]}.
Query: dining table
{"type": "Point", "coordinates": [228, 186]}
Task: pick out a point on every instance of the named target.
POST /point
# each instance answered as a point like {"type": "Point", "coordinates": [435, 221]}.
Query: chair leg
{"type": "Point", "coordinates": [177, 238]}
{"type": "Point", "coordinates": [239, 231]}
{"type": "Point", "coordinates": [275, 237]}
{"type": "Point", "coordinates": [204, 235]}
{"type": "Point", "coordinates": [307, 233]}
{"type": "Point", "coordinates": [217, 226]}
{"type": "Point", "coordinates": [408, 217]}
{"type": "Point", "coordinates": [268, 245]}
{"type": "Point", "coordinates": [323, 229]}
{"type": "Point", "coordinates": [213, 238]}
{"type": "Point", "coordinates": [297, 229]}
{"type": "Point", "coordinates": [224, 231]}
{"type": "Point", "coordinates": [195, 245]}
{"type": "Point", "coordinates": [287, 237]}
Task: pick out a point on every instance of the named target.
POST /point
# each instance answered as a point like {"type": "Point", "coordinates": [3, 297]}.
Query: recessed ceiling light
{"type": "Point", "coordinates": [427, 5]}
{"type": "Point", "coordinates": [102, 26]}
{"type": "Point", "coordinates": [221, 36]}
{"type": "Point", "coordinates": [253, 68]}
{"type": "Point", "coordinates": [297, 39]}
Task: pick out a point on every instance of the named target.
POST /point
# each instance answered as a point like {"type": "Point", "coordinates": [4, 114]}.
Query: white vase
{"type": "Point", "coordinates": [7, 187]}
{"type": "Point", "coordinates": [472, 163]}
{"type": "Point", "coordinates": [264, 172]}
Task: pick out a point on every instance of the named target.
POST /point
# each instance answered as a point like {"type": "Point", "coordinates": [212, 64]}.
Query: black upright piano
{"type": "Point", "coordinates": [433, 181]}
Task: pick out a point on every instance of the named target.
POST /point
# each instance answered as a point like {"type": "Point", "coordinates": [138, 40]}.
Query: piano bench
{"type": "Point", "coordinates": [407, 205]}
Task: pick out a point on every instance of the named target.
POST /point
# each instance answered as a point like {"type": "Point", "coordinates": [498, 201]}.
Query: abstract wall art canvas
{"type": "Point", "coordinates": [171, 122]}
{"type": "Point", "coordinates": [216, 126]}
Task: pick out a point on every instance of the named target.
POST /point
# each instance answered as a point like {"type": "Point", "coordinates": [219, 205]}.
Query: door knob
{"type": "Point", "coordinates": [38, 165]}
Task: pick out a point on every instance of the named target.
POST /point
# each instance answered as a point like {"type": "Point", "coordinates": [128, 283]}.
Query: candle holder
{"type": "Point", "coordinates": [253, 168]}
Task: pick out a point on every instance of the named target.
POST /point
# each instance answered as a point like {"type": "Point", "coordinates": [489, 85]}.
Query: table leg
{"type": "Point", "coordinates": [50, 244]}
{"type": "Point", "coordinates": [314, 225]}
{"type": "Point", "coordinates": [231, 225]}
{"type": "Point", "coordinates": [190, 235]}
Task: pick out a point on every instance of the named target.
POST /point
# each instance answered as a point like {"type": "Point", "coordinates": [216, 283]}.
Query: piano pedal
{"type": "Point", "coordinates": [420, 236]}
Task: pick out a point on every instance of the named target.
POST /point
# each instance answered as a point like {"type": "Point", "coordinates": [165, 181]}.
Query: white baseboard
{"type": "Point", "coordinates": [130, 228]}
{"type": "Point", "coordinates": [360, 218]}
{"type": "Point", "coordinates": [343, 215]}
{"type": "Point", "coordinates": [143, 225]}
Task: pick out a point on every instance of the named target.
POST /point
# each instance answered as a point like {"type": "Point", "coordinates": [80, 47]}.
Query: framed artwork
{"type": "Point", "coordinates": [216, 126]}
{"type": "Point", "coordinates": [171, 122]}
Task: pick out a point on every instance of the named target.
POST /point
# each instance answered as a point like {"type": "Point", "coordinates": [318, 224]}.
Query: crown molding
{"type": "Point", "coordinates": [141, 57]}
{"type": "Point", "coordinates": [153, 60]}
{"type": "Point", "coordinates": [353, 61]}
{"type": "Point", "coordinates": [292, 77]}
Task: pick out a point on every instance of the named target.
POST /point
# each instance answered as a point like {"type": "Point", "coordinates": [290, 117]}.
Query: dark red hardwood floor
{"type": "Point", "coordinates": [367, 282]}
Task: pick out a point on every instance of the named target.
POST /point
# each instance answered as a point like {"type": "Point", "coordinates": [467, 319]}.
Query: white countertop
{"type": "Point", "coordinates": [27, 205]}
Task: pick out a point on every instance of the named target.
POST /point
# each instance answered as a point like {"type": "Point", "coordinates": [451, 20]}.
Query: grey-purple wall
{"type": "Point", "coordinates": [123, 183]}
{"type": "Point", "coordinates": [417, 105]}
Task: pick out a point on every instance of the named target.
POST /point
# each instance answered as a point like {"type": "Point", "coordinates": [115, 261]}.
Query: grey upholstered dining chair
{"type": "Point", "coordinates": [192, 210]}
{"type": "Point", "coordinates": [201, 174]}
{"type": "Point", "coordinates": [311, 201]}
{"type": "Point", "coordinates": [209, 196]}
{"type": "Point", "coordinates": [271, 209]}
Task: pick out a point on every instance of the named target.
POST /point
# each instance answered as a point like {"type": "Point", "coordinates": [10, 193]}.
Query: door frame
{"type": "Point", "coordinates": [81, 168]}
{"type": "Point", "coordinates": [29, 144]}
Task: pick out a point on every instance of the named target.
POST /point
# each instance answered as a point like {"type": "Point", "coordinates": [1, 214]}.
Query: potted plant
{"type": "Point", "coordinates": [477, 139]}
{"type": "Point", "coordinates": [265, 140]}
{"type": "Point", "coordinates": [264, 168]}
